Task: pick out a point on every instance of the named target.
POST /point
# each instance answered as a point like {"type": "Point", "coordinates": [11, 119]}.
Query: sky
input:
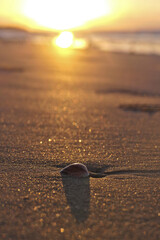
{"type": "Point", "coordinates": [111, 15]}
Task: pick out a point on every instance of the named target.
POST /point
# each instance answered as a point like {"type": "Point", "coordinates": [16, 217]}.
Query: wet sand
{"type": "Point", "coordinates": [100, 109]}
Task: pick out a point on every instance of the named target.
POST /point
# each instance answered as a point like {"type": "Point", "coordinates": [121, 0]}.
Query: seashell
{"type": "Point", "coordinates": [75, 170]}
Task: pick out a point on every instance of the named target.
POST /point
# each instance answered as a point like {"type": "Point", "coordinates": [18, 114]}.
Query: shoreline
{"type": "Point", "coordinates": [96, 49]}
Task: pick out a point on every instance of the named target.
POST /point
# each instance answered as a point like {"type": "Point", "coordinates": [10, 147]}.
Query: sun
{"type": "Point", "coordinates": [65, 14]}
{"type": "Point", "coordinates": [64, 40]}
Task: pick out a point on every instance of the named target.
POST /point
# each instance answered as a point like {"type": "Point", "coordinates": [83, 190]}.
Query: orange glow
{"type": "Point", "coordinates": [67, 40]}
{"type": "Point", "coordinates": [64, 14]}
{"type": "Point", "coordinates": [64, 40]}
{"type": "Point", "coordinates": [80, 44]}
{"type": "Point", "coordinates": [110, 15]}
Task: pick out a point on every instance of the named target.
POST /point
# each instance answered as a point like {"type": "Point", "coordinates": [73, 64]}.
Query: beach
{"type": "Point", "coordinates": [63, 106]}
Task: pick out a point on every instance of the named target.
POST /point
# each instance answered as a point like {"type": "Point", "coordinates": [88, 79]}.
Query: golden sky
{"type": "Point", "coordinates": [81, 14]}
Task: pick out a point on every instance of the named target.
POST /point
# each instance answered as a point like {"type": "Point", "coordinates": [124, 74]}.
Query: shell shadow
{"type": "Point", "coordinates": [77, 191]}
{"type": "Point", "coordinates": [137, 172]}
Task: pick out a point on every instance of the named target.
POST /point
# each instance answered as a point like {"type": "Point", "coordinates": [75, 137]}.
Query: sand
{"type": "Point", "coordinates": [100, 109]}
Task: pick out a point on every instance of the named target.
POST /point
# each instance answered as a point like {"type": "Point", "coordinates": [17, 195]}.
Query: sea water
{"type": "Point", "coordinates": [122, 42]}
{"type": "Point", "coordinates": [135, 42]}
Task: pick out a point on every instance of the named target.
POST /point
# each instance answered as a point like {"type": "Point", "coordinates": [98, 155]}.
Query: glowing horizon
{"type": "Point", "coordinates": [85, 14]}
{"type": "Point", "coordinates": [64, 15]}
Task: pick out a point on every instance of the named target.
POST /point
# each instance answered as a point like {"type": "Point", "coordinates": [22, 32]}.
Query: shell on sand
{"type": "Point", "coordinates": [75, 170]}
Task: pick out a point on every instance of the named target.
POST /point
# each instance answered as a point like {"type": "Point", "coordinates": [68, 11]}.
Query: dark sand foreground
{"type": "Point", "coordinates": [100, 109]}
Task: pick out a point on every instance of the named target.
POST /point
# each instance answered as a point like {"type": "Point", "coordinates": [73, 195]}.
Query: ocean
{"type": "Point", "coordinates": [122, 42]}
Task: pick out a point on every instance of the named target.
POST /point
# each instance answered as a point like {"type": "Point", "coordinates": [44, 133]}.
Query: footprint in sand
{"type": "Point", "coordinates": [131, 92]}
{"type": "Point", "coordinates": [147, 108]}
{"type": "Point", "coordinates": [9, 69]}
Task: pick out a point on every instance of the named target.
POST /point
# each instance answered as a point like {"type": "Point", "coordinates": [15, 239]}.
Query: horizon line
{"type": "Point", "coordinates": [28, 29]}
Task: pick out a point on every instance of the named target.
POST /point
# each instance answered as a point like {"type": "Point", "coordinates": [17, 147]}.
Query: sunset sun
{"type": "Point", "coordinates": [62, 14]}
